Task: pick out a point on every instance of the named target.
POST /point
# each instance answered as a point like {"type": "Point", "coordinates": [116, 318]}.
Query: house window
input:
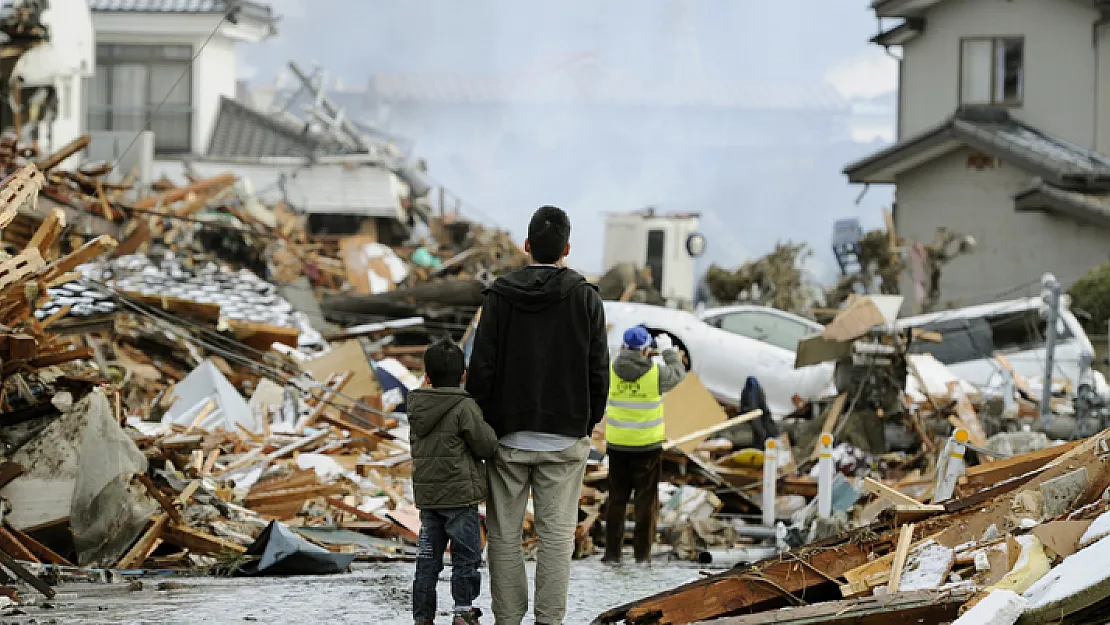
{"type": "Point", "coordinates": [992, 71]}
{"type": "Point", "coordinates": [140, 87]}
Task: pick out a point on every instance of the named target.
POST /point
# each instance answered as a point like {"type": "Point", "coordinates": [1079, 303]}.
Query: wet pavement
{"type": "Point", "coordinates": [377, 594]}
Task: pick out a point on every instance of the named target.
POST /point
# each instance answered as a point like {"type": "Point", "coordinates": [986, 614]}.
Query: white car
{"type": "Point", "coordinates": [726, 345]}
{"type": "Point", "coordinates": [1016, 329]}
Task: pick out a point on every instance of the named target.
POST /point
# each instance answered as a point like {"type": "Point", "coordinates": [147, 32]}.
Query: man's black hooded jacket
{"type": "Point", "coordinates": [540, 361]}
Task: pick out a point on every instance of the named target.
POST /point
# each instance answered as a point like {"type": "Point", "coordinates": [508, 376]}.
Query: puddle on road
{"type": "Point", "coordinates": [374, 593]}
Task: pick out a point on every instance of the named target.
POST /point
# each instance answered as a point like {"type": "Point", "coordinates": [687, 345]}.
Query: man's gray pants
{"type": "Point", "coordinates": [554, 479]}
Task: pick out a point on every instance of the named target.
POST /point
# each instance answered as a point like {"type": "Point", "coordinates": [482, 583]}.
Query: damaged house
{"type": "Point", "coordinates": [1003, 132]}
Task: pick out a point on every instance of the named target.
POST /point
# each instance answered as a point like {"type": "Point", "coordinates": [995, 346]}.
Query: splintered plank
{"type": "Point", "coordinates": [19, 189]}
{"type": "Point", "coordinates": [41, 551]}
{"type": "Point", "coordinates": [49, 231]}
{"type": "Point", "coordinates": [67, 150]}
{"type": "Point", "coordinates": [295, 494]}
{"type": "Point", "coordinates": [199, 542]}
{"type": "Point", "coordinates": [161, 497]}
{"type": "Point", "coordinates": [927, 606]}
{"type": "Point", "coordinates": [988, 474]}
{"type": "Point", "coordinates": [205, 312]}
{"type": "Point", "coordinates": [27, 576]}
{"type": "Point", "coordinates": [146, 544]}
{"type": "Point", "coordinates": [883, 491]}
{"type": "Point", "coordinates": [82, 255]}
{"type": "Point", "coordinates": [11, 544]}
{"type": "Point", "coordinates": [20, 267]}
{"type": "Point", "coordinates": [207, 185]}
{"type": "Point", "coordinates": [759, 587]}
{"type": "Point", "coordinates": [905, 539]}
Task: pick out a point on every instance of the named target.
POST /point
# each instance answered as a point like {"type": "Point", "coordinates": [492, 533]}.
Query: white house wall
{"type": "Point", "coordinates": [213, 73]}
{"type": "Point", "coordinates": [1013, 248]}
{"type": "Point", "coordinates": [1060, 68]}
{"type": "Point", "coordinates": [214, 76]}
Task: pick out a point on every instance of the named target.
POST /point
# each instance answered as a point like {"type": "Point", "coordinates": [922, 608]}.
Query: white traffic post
{"type": "Point", "coordinates": [770, 477]}
{"type": "Point", "coordinates": [825, 476]}
{"type": "Point", "coordinates": [953, 467]}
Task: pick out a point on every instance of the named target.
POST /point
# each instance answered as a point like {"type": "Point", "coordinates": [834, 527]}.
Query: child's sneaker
{"type": "Point", "coordinates": [470, 617]}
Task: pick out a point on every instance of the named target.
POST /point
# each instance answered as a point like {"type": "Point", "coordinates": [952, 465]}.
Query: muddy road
{"type": "Point", "coordinates": [374, 594]}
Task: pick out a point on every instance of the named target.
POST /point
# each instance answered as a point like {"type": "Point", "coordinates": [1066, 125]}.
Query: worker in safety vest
{"type": "Point", "coordinates": [634, 435]}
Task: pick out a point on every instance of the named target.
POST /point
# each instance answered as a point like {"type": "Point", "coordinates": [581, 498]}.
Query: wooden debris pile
{"type": "Point", "coordinates": [1021, 531]}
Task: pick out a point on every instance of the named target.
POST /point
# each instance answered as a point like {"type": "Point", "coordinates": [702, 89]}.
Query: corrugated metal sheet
{"type": "Point", "coordinates": [255, 10]}
{"type": "Point", "coordinates": [566, 90]}
{"type": "Point", "coordinates": [322, 188]}
{"type": "Point", "coordinates": [242, 132]}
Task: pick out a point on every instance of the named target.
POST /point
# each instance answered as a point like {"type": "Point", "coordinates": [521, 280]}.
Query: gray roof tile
{"type": "Point", "coordinates": [995, 132]}
{"type": "Point", "coordinates": [241, 132]}
{"type": "Point", "coordinates": [254, 10]}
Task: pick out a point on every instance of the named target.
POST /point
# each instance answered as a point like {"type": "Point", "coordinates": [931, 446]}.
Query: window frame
{"type": "Point", "coordinates": [149, 56]}
{"type": "Point", "coordinates": [718, 322]}
{"type": "Point", "coordinates": [994, 39]}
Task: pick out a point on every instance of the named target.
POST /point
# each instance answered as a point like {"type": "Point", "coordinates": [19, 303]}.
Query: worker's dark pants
{"type": "Point", "coordinates": [632, 471]}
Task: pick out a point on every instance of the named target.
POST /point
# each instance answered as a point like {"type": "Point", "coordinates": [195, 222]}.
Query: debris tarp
{"type": "Point", "coordinates": [107, 512]}
{"type": "Point", "coordinates": [280, 551]}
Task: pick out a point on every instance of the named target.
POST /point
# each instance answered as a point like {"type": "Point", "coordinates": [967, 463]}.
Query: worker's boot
{"type": "Point", "coordinates": [470, 617]}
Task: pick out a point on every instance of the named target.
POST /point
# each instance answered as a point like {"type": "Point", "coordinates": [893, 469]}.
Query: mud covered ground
{"type": "Point", "coordinates": [374, 594]}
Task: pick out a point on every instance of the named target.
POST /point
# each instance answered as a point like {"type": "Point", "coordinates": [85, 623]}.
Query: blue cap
{"type": "Point", "coordinates": [637, 337]}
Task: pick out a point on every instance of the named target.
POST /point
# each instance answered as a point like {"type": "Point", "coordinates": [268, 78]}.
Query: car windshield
{"type": "Point", "coordinates": [766, 327]}
{"type": "Point", "coordinates": [964, 339]}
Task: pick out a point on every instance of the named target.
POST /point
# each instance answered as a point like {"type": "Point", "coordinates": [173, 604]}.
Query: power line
{"type": "Point", "coordinates": [188, 68]}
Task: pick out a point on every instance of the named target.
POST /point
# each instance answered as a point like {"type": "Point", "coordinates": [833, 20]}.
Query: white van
{"type": "Point", "coordinates": [1014, 328]}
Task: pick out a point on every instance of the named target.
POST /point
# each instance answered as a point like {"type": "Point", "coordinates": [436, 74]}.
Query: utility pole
{"type": "Point", "coordinates": [1051, 297]}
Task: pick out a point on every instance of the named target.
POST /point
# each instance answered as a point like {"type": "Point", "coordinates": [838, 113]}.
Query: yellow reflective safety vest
{"type": "Point", "coordinates": [634, 414]}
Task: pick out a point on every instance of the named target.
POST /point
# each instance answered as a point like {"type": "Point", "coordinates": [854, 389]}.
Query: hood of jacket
{"type": "Point", "coordinates": [428, 406]}
{"type": "Point", "coordinates": [533, 289]}
{"type": "Point", "coordinates": [630, 365]}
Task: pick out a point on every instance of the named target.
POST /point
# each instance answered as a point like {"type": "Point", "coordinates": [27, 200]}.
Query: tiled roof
{"type": "Point", "coordinates": [254, 10]}
{"type": "Point", "coordinates": [1090, 207]}
{"type": "Point", "coordinates": [603, 89]}
{"type": "Point", "coordinates": [241, 132]}
{"type": "Point", "coordinates": [994, 132]}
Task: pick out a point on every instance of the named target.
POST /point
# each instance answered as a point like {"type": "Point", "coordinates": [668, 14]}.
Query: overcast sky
{"type": "Point", "coordinates": [740, 41]}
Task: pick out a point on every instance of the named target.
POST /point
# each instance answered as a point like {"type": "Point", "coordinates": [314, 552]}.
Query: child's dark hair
{"type": "Point", "coordinates": [548, 234]}
{"type": "Point", "coordinates": [444, 363]}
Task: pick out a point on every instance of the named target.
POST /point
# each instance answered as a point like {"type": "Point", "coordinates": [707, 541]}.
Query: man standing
{"type": "Point", "coordinates": [540, 372]}
{"type": "Point", "coordinates": [634, 435]}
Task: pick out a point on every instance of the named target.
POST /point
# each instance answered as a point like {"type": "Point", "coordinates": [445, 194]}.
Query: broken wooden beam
{"type": "Point", "coordinates": [66, 151]}
{"type": "Point", "coordinates": [15, 567]}
{"type": "Point", "coordinates": [199, 542]}
{"type": "Point", "coordinates": [11, 544]}
{"type": "Point", "coordinates": [146, 544]}
{"type": "Point", "coordinates": [163, 500]}
{"type": "Point", "coordinates": [757, 588]}
{"type": "Point", "coordinates": [883, 491]}
{"type": "Point", "coordinates": [42, 552]}
{"type": "Point", "coordinates": [926, 606]}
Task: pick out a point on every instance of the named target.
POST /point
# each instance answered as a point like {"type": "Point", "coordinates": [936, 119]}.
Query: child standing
{"type": "Point", "coordinates": [449, 440]}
